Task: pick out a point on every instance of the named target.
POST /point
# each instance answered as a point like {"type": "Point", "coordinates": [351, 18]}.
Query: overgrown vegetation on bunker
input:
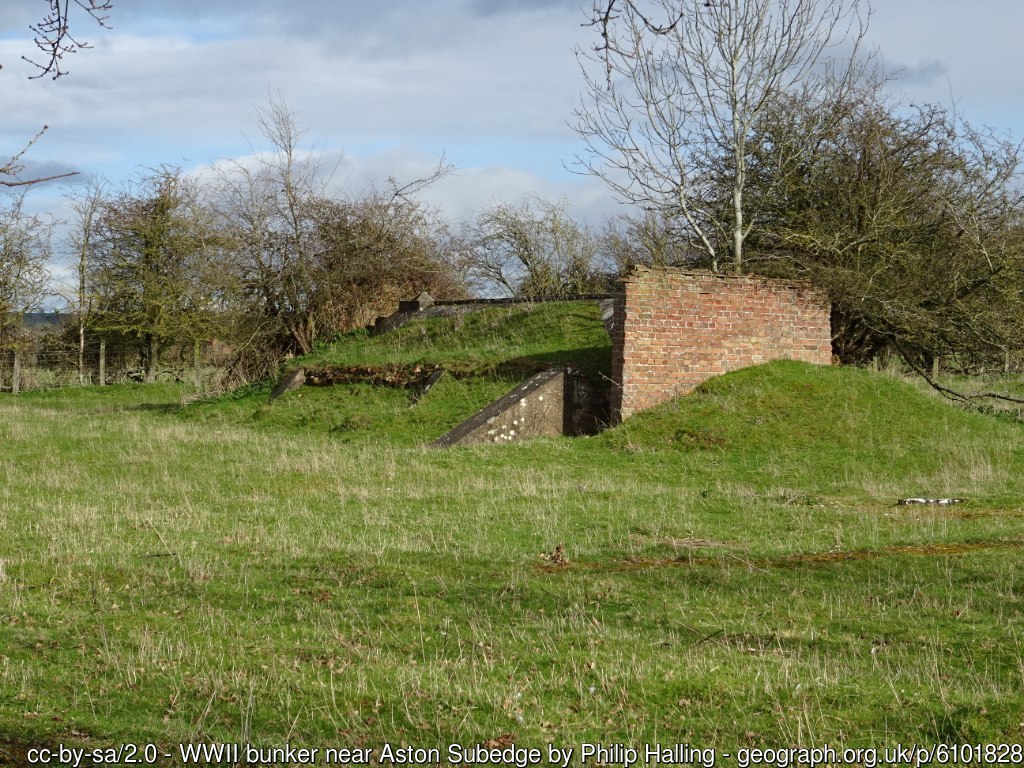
{"type": "Point", "coordinates": [484, 353]}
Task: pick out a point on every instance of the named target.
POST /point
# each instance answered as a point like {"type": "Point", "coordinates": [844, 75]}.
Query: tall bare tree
{"type": "Point", "coordinates": [266, 210]}
{"type": "Point", "coordinates": [675, 89]}
{"type": "Point", "coordinates": [86, 206]}
{"type": "Point", "coordinates": [24, 253]}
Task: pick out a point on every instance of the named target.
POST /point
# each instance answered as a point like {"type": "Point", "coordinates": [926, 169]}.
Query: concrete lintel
{"type": "Point", "coordinates": [533, 409]}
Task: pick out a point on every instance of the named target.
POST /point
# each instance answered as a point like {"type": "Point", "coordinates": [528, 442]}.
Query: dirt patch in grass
{"type": "Point", "coordinates": [13, 751]}
{"type": "Point", "coordinates": [788, 561]}
{"type": "Point", "coordinates": [398, 376]}
{"type": "Point", "coordinates": [924, 550]}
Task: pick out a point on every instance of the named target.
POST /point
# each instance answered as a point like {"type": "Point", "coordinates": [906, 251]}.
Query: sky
{"type": "Point", "coordinates": [386, 88]}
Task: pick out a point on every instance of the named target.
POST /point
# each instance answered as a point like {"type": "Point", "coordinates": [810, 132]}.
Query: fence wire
{"type": "Point", "coordinates": [54, 368]}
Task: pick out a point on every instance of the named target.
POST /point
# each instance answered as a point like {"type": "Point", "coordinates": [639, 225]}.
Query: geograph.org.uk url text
{"type": "Point", "coordinates": [916, 756]}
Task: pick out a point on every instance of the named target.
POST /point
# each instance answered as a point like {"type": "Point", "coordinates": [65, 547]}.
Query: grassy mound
{"type": "Point", "coordinates": [484, 353]}
{"type": "Point", "coordinates": [497, 341]}
{"type": "Point", "coordinates": [789, 423]}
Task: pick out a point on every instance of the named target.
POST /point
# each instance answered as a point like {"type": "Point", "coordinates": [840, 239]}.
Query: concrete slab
{"type": "Point", "coordinates": [533, 409]}
{"type": "Point", "coordinates": [556, 401]}
{"type": "Point", "coordinates": [290, 381]}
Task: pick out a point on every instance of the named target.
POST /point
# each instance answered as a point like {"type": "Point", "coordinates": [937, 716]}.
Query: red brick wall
{"type": "Point", "coordinates": [675, 329]}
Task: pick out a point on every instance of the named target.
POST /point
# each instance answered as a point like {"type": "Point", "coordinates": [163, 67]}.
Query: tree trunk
{"type": "Point", "coordinates": [737, 231]}
{"type": "Point", "coordinates": [300, 336]}
{"type": "Point", "coordinates": [197, 364]}
{"type": "Point", "coordinates": [16, 373]}
{"type": "Point", "coordinates": [81, 350]}
{"type": "Point", "coordinates": [152, 355]}
{"type": "Point", "coordinates": [103, 362]}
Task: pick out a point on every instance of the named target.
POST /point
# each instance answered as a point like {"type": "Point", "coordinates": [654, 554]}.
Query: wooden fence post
{"type": "Point", "coordinates": [196, 351]}
{"type": "Point", "coordinates": [16, 373]}
{"type": "Point", "coordinates": [103, 362]}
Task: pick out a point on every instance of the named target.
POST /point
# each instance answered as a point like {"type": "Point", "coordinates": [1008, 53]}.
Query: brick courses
{"type": "Point", "coordinates": [675, 329]}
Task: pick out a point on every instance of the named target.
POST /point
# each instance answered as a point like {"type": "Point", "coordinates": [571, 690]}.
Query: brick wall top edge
{"type": "Point", "coordinates": [639, 272]}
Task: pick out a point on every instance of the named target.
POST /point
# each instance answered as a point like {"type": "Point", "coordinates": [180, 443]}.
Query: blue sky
{"type": "Point", "coordinates": [384, 88]}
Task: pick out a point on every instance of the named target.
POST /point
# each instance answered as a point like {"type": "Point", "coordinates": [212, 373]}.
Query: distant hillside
{"type": "Point", "coordinates": [41, 321]}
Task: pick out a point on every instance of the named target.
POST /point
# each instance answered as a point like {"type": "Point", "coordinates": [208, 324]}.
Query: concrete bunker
{"type": "Point", "coordinates": [671, 329]}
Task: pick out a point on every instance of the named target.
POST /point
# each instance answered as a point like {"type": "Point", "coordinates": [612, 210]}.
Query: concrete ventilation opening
{"type": "Point", "coordinates": [558, 401]}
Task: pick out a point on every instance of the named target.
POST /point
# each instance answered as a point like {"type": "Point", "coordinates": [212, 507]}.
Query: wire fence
{"type": "Point", "coordinates": [102, 364]}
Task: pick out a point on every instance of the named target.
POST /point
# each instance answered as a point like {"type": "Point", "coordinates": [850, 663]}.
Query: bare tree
{"type": "Point", "coordinates": [679, 87]}
{"type": "Point", "coordinates": [649, 239]}
{"type": "Point", "coordinates": [376, 250]}
{"type": "Point", "coordinates": [298, 261]}
{"type": "Point", "coordinates": [266, 212]}
{"type": "Point", "coordinates": [534, 249]}
{"type": "Point", "coordinates": [24, 253]}
{"type": "Point", "coordinates": [86, 205]}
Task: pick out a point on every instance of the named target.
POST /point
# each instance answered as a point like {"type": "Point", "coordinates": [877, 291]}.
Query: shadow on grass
{"type": "Point", "coordinates": [594, 362]}
{"type": "Point", "coordinates": [157, 407]}
{"type": "Point", "coordinates": [14, 751]}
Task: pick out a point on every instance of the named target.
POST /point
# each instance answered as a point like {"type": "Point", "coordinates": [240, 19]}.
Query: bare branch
{"type": "Point", "coordinates": [952, 394]}
{"type": "Point", "coordinates": [14, 166]}
{"type": "Point", "coordinates": [38, 180]}
{"type": "Point", "coordinates": [54, 38]}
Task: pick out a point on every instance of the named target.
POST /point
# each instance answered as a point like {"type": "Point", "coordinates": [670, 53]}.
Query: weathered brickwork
{"type": "Point", "coordinates": [675, 329]}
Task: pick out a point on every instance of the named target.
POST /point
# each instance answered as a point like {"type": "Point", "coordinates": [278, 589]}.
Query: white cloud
{"type": "Point", "coordinates": [491, 83]}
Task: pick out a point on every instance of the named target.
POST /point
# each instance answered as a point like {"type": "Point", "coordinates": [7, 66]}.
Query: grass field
{"type": "Point", "coordinates": [738, 571]}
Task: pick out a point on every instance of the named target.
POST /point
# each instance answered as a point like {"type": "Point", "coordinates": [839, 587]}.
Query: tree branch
{"type": "Point", "coordinates": [54, 38]}
{"type": "Point", "coordinates": [952, 394]}
{"type": "Point", "coordinates": [14, 166]}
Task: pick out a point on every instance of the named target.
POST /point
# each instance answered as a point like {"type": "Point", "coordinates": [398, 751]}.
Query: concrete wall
{"type": "Point", "coordinates": [553, 402]}
{"type": "Point", "coordinates": [675, 329]}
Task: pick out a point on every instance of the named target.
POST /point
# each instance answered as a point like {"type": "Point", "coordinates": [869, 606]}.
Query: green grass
{"type": "Point", "coordinates": [740, 574]}
{"type": "Point", "coordinates": [485, 354]}
{"type": "Point", "coordinates": [504, 340]}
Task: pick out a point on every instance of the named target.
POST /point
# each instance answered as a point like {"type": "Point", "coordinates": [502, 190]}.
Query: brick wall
{"type": "Point", "coordinates": [675, 329]}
